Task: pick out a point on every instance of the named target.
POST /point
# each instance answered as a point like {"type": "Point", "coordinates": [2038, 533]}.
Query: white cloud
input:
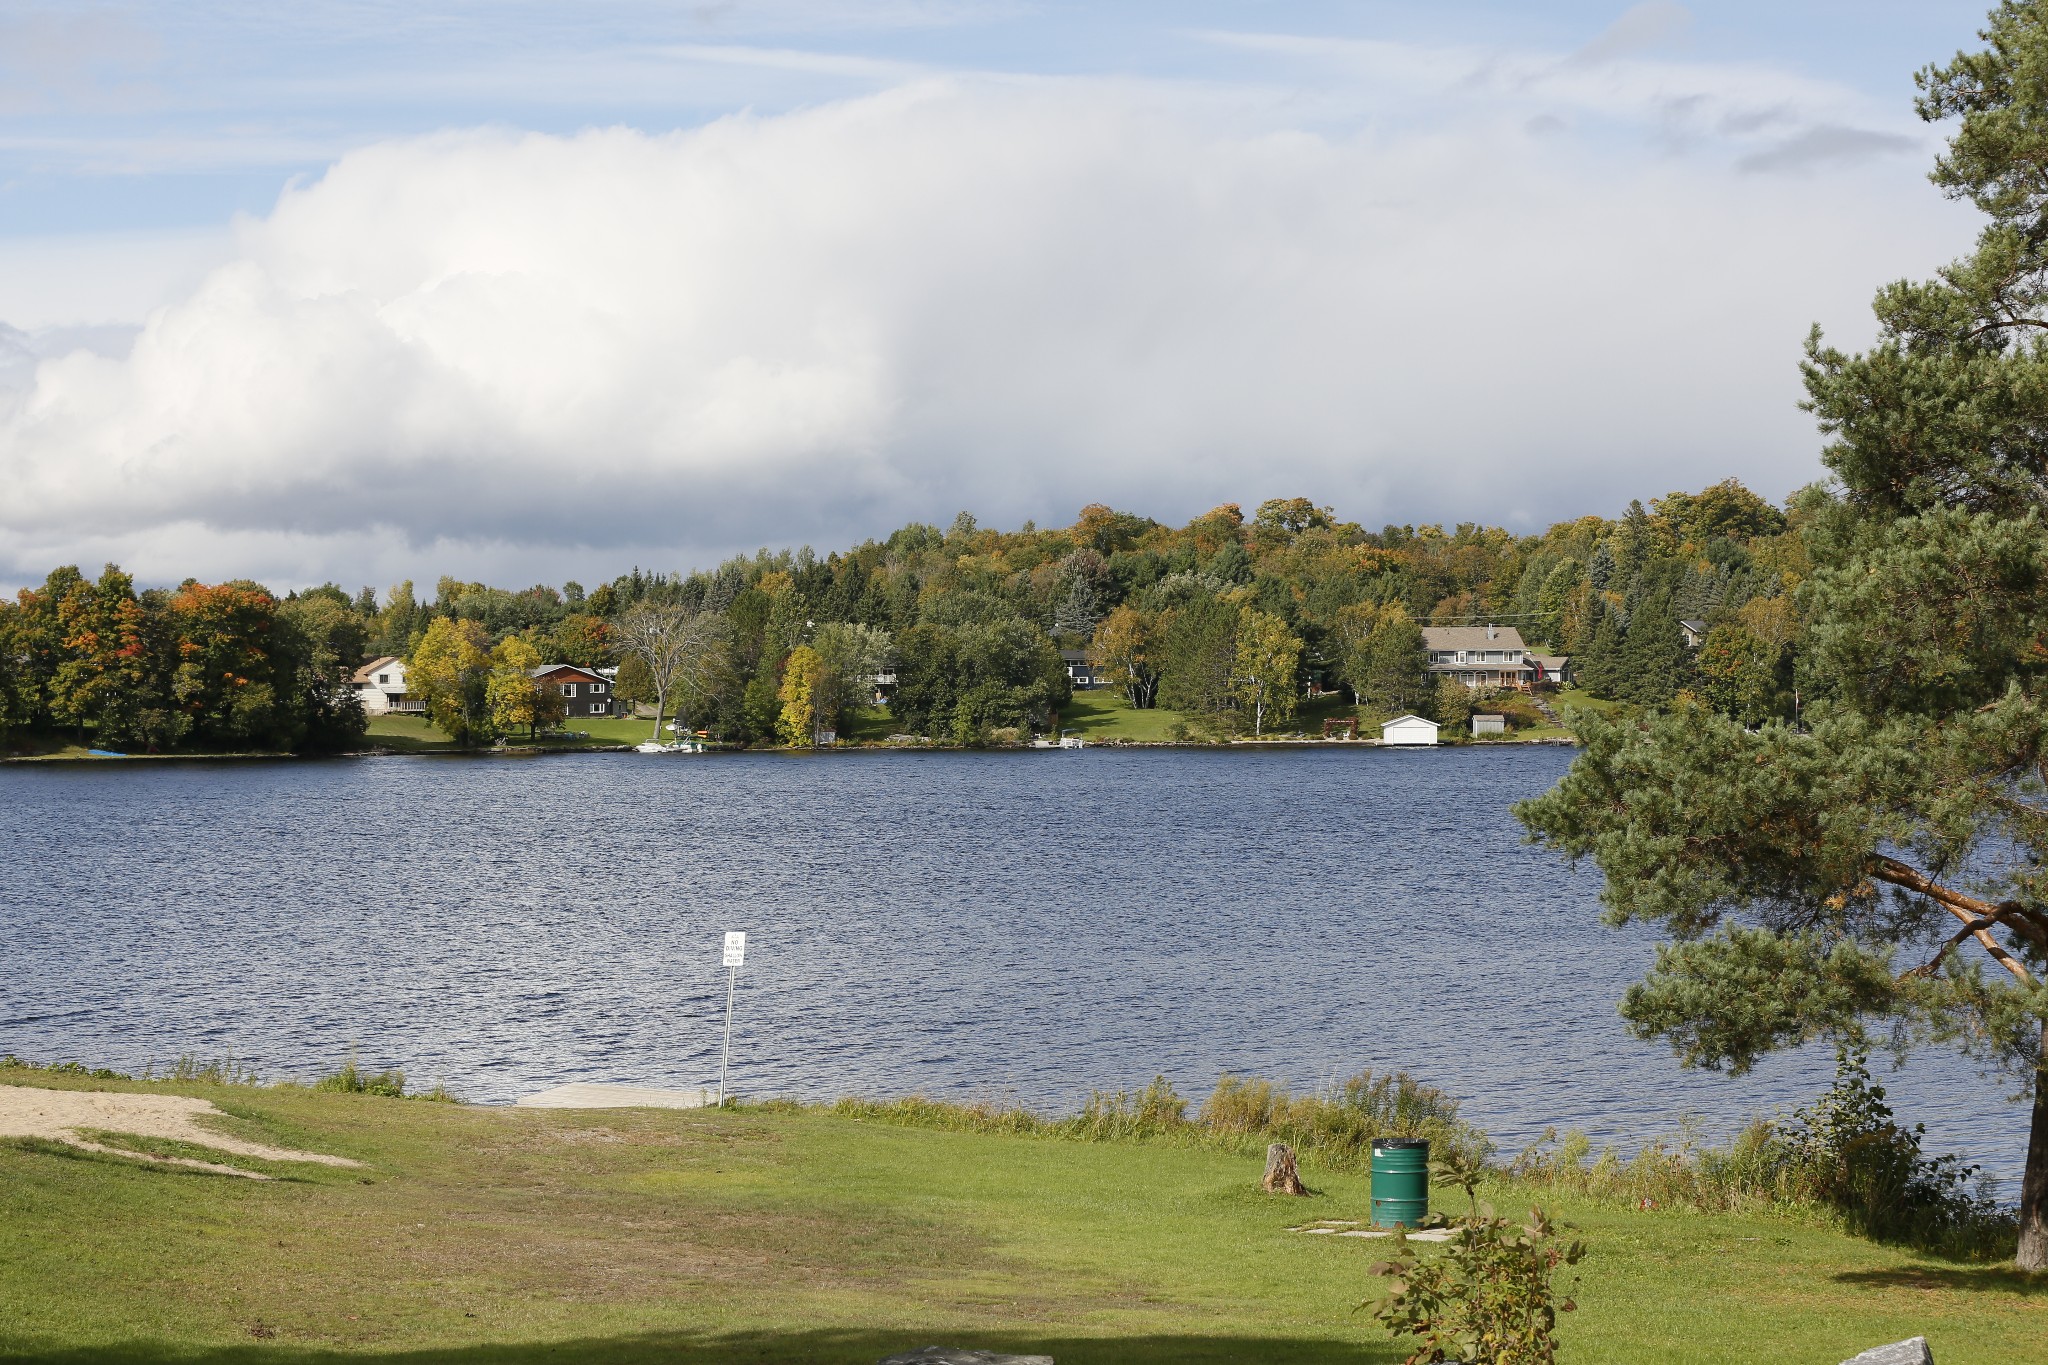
{"type": "Point", "coordinates": [527, 356]}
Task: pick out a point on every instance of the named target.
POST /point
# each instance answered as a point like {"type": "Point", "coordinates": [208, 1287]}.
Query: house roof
{"type": "Point", "coordinates": [1074, 656]}
{"type": "Point", "coordinates": [1396, 720]}
{"type": "Point", "coordinates": [367, 672]}
{"type": "Point", "coordinates": [545, 669]}
{"type": "Point", "coordinates": [1696, 627]}
{"type": "Point", "coordinates": [1472, 637]}
{"type": "Point", "coordinates": [1552, 662]}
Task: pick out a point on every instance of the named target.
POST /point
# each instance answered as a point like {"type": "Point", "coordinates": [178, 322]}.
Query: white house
{"type": "Point", "coordinates": [1408, 730]}
{"type": "Point", "coordinates": [380, 684]}
{"type": "Point", "coordinates": [1479, 656]}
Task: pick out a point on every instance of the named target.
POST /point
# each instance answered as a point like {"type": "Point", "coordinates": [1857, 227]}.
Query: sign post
{"type": "Point", "coordinates": [735, 954]}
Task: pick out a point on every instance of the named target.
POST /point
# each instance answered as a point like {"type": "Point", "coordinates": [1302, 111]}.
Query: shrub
{"type": "Point", "coordinates": [353, 1080]}
{"type": "Point", "coordinates": [1491, 1298]}
{"type": "Point", "coordinates": [1845, 1155]}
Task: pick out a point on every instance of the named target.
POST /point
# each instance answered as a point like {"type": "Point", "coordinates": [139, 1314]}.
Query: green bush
{"type": "Point", "coordinates": [1845, 1156]}
{"type": "Point", "coordinates": [353, 1080]}
{"type": "Point", "coordinates": [1491, 1298]}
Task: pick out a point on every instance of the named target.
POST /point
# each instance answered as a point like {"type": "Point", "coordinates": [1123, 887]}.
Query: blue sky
{"type": "Point", "coordinates": [122, 118]}
{"type": "Point", "coordinates": [378, 289]}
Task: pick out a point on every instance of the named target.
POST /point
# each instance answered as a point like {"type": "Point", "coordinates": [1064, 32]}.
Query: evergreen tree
{"type": "Point", "coordinates": [1803, 872]}
{"type": "Point", "coordinates": [1600, 664]}
{"type": "Point", "coordinates": [1653, 657]}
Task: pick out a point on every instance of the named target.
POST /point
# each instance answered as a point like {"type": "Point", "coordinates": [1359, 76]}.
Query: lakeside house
{"type": "Point", "coordinates": [585, 691]}
{"type": "Point", "coordinates": [1489, 725]}
{"type": "Point", "coordinates": [380, 686]}
{"type": "Point", "coordinates": [1480, 656]}
{"type": "Point", "coordinates": [1080, 670]}
{"type": "Point", "coordinates": [1554, 670]}
{"type": "Point", "coordinates": [1408, 730]}
{"type": "Point", "coordinates": [1695, 632]}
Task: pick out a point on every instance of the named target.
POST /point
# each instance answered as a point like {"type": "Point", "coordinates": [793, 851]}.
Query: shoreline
{"type": "Point", "coordinates": [550, 750]}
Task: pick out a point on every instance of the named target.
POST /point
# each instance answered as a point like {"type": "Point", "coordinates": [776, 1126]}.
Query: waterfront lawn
{"type": "Point", "coordinates": [1101, 714]}
{"type": "Point", "coordinates": [486, 1235]}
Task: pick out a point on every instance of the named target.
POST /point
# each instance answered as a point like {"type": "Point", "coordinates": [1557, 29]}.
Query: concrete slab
{"type": "Point", "coordinates": [591, 1095]}
{"type": "Point", "coordinates": [1336, 1227]}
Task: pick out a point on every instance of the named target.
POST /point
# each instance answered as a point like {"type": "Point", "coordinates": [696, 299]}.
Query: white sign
{"type": "Point", "coordinates": [735, 948]}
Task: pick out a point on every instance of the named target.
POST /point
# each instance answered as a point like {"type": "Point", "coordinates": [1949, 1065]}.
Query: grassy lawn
{"type": "Point", "coordinates": [1101, 714]}
{"type": "Point", "coordinates": [480, 1235]}
{"type": "Point", "coordinates": [415, 734]}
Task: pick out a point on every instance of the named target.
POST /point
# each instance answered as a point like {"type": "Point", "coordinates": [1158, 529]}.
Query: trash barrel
{"type": "Point", "coordinates": [1400, 1182]}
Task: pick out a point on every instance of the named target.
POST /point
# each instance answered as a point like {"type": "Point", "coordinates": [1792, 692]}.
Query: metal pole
{"type": "Point", "coordinates": [726, 1056]}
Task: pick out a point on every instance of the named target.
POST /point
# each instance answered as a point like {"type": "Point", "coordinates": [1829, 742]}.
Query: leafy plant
{"type": "Point", "coordinates": [1855, 1156]}
{"type": "Point", "coordinates": [353, 1080]}
{"type": "Point", "coordinates": [1491, 1298]}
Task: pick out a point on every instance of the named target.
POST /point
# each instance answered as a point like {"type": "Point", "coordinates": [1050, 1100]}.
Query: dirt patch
{"type": "Point", "coordinates": [66, 1115]}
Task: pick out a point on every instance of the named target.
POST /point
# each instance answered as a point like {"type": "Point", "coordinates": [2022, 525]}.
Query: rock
{"type": "Point", "coordinates": [960, 1355]}
{"type": "Point", "coordinates": [1912, 1351]}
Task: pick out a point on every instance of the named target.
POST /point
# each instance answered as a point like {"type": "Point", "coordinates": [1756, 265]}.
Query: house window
{"type": "Point", "coordinates": [598, 708]}
{"type": "Point", "coordinates": [568, 689]}
{"type": "Point", "coordinates": [383, 677]}
{"type": "Point", "coordinates": [596, 688]}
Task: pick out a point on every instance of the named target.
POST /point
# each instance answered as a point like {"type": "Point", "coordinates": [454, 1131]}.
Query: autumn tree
{"type": "Point", "coordinates": [1125, 649]}
{"type": "Point", "coordinates": [223, 683]}
{"type": "Point", "coordinates": [1888, 861]}
{"type": "Point", "coordinates": [1268, 654]}
{"type": "Point", "coordinates": [517, 699]}
{"type": "Point", "coordinates": [797, 723]}
{"type": "Point", "coordinates": [450, 671]}
{"type": "Point", "coordinates": [88, 637]}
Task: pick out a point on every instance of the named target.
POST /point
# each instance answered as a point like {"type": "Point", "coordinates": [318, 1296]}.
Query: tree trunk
{"type": "Point", "coordinates": [1281, 1175]}
{"type": "Point", "coordinates": [2033, 1254]}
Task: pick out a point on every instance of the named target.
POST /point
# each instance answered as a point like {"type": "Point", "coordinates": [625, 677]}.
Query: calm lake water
{"type": "Point", "coordinates": [1014, 925]}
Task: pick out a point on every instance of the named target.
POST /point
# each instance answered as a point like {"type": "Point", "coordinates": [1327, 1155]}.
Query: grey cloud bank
{"type": "Point", "coordinates": [527, 356]}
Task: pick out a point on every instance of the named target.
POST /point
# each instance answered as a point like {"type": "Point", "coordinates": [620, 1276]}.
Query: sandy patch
{"type": "Point", "coordinates": [58, 1115]}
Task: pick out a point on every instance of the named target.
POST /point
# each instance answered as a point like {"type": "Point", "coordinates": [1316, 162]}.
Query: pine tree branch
{"type": "Point", "coordinates": [1978, 916]}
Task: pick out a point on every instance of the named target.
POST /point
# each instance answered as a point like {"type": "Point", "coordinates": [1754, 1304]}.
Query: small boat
{"type": "Point", "coordinates": [690, 746]}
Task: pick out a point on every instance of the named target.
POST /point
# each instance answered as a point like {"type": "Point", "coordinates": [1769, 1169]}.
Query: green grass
{"type": "Point", "coordinates": [486, 1235]}
{"type": "Point", "coordinates": [1101, 714]}
{"type": "Point", "coordinates": [415, 734]}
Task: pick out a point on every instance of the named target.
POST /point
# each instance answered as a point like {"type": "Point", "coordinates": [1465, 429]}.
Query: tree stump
{"type": "Point", "coordinates": [1281, 1175]}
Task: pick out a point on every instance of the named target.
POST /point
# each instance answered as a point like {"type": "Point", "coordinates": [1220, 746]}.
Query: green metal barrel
{"type": "Point", "coordinates": [1400, 1181]}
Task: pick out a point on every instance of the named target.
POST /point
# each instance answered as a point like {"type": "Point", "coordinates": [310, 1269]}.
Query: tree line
{"type": "Point", "coordinates": [1229, 619]}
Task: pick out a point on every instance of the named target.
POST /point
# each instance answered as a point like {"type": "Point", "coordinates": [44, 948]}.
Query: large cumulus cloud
{"type": "Point", "coordinates": [525, 355]}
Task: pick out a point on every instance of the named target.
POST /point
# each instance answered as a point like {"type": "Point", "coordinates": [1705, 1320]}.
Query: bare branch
{"type": "Point", "coordinates": [1978, 916]}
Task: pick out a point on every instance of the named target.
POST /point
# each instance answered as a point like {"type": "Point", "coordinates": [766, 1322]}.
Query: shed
{"type": "Point", "coordinates": [1489, 725]}
{"type": "Point", "coordinates": [1408, 730]}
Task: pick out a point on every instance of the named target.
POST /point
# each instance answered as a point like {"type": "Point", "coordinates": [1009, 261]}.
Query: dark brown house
{"type": "Point", "coordinates": [584, 693]}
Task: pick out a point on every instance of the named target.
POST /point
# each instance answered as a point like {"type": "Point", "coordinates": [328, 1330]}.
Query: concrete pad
{"type": "Point", "coordinates": [591, 1095]}
{"type": "Point", "coordinates": [1337, 1227]}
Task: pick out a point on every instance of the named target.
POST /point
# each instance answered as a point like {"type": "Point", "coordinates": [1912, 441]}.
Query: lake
{"type": "Point", "coordinates": [1008, 925]}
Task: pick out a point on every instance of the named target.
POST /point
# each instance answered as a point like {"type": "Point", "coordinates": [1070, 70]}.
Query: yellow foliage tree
{"type": "Point", "coordinates": [800, 677]}
{"type": "Point", "coordinates": [516, 697]}
{"type": "Point", "coordinates": [1268, 654]}
{"type": "Point", "coordinates": [449, 671]}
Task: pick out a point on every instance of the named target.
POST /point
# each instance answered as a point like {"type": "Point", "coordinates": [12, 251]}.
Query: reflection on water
{"type": "Point", "coordinates": [1025, 925]}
